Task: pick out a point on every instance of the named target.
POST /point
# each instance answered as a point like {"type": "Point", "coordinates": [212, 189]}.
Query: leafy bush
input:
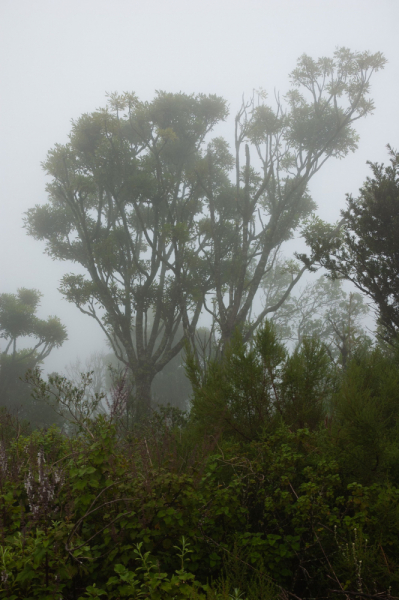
{"type": "Point", "coordinates": [223, 505]}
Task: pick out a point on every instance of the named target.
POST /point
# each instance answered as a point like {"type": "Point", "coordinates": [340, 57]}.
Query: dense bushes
{"type": "Point", "coordinates": [251, 390]}
{"type": "Point", "coordinates": [282, 483]}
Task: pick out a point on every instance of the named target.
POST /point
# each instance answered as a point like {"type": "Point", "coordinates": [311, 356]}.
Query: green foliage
{"type": "Point", "coordinates": [70, 401]}
{"type": "Point", "coordinates": [87, 518]}
{"type": "Point", "coordinates": [153, 584]}
{"type": "Point", "coordinates": [367, 253]}
{"type": "Point", "coordinates": [256, 385]}
{"type": "Point", "coordinates": [145, 203]}
{"type": "Point", "coordinates": [306, 385]}
{"type": "Point", "coordinates": [366, 416]}
{"type": "Point", "coordinates": [18, 321]}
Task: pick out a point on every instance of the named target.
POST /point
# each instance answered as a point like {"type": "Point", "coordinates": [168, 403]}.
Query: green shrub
{"type": "Point", "coordinates": [239, 501]}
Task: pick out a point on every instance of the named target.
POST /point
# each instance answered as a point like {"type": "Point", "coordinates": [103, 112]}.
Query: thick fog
{"type": "Point", "coordinates": [60, 57]}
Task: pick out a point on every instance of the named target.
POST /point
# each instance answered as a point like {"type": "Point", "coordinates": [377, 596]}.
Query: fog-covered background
{"type": "Point", "coordinates": [60, 57]}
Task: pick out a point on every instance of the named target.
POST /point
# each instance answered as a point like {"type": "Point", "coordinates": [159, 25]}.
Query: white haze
{"type": "Point", "coordinates": [59, 57]}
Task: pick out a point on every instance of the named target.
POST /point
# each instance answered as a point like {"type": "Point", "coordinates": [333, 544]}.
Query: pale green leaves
{"type": "Point", "coordinates": [18, 319]}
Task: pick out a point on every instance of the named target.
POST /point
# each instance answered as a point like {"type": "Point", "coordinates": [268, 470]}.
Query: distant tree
{"type": "Point", "coordinates": [169, 386]}
{"type": "Point", "coordinates": [367, 253]}
{"type": "Point", "coordinates": [18, 321]}
{"type": "Point", "coordinates": [321, 309]}
{"type": "Point", "coordinates": [97, 365]}
{"type": "Point", "coordinates": [159, 226]}
{"type": "Point", "coordinates": [345, 332]}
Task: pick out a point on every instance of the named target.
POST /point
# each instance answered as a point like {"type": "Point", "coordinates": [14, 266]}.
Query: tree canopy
{"type": "Point", "coordinates": [367, 253]}
{"type": "Point", "coordinates": [276, 154]}
{"type": "Point", "coordinates": [167, 224]}
{"type": "Point", "coordinates": [124, 204]}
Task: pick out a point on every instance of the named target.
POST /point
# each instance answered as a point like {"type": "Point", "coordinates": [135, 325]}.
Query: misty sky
{"type": "Point", "coordinates": [59, 57]}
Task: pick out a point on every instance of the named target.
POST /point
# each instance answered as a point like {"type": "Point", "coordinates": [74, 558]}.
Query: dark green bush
{"type": "Point", "coordinates": [365, 426]}
{"type": "Point", "coordinates": [253, 388]}
{"type": "Point", "coordinates": [270, 488]}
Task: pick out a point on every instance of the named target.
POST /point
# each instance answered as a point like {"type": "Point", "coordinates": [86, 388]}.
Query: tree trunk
{"type": "Point", "coordinates": [143, 381]}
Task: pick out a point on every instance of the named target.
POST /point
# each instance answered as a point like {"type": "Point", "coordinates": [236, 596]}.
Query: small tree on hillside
{"type": "Point", "coordinates": [18, 321]}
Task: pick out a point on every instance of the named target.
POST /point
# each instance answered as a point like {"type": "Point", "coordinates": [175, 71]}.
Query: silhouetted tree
{"type": "Point", "coordinates": [125, 204]}
{"type": "Point", "coordinates": [158, 224]}
{"type": "Point", "coordinates": [18, 321]}
{"type": "Point", "coordinates": [250, 218]}
{"type": "Point", "coordinates": [367, 253]}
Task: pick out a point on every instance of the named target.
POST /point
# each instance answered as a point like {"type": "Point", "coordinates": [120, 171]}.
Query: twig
{"type": "Point", "coordinates": [385, 559]}
{"type": "Point", "coordinates": [329, 564]}
{"type": "Point", "coordinates": [296, 495]}
{"type": "Point", "coordinates": [148, 452]}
